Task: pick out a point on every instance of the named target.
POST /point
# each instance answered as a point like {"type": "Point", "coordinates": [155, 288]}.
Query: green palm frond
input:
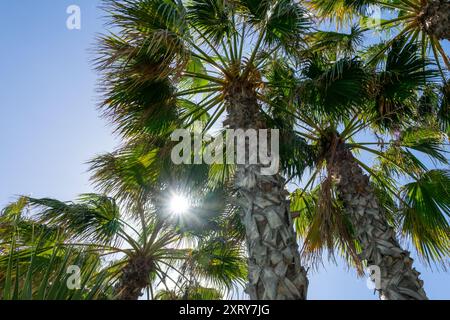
{"type": "Point", "coordinates": [340, 10]}
{"type": "Point", "coordinates": [201, 293]}
{"type": "Point", "coordinates": [137, 72]}
{"type": "Point", "coordinates": [334, 88]}
{"type": "Point", "coordinates": [302, 204]}
{"type": "Point", "coordinates": [398, 161]}
{"type": "Point", "coordinates": [189, 292]}
{"type": "Point", "coordinates": [395, 88]}
{"type": "Point", "coordinates": [337, 43]}
{"type": "Point", "coordinates": [425, 215]}
{"type": "Point", "coordinates": [94, 217]}
{"type": "Point", "coordinates": [126, 175]}
{"type": "Point", "coordinates": [14, 211]}
{"type": "Point", "coordinates": [219, 261]}
{"type": "Point", "coordinates": [286, 25]}
{"type": "Point", "coordinates": [17, 222]}
{"type": "Point", "coordinates": [425, 140]}
{"type": "Point", "coordinates": [254, 11]}
{"type": "Point", "coordinates": [41, 273]}
{"type": "Point", "coordinates": [212, 17]}
{"type": "Point", "coordinates": [29, 232]}
{"type": "Point", "coordinates": [371, 54]}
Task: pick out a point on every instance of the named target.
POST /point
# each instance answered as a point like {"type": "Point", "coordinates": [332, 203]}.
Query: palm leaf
{"type": "Point", "coordinates": [425, 215]}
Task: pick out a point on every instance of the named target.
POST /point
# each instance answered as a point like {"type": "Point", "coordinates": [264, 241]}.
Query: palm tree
{"type": "Point", "coordinates": [424, 20]}
{"type": "Point", "coordinates": [173, 62]}
{"type": "Point", "coordinates": [136, 259]}
{"type": "Point", "coordinates": [348, 210]}
{"type": "Point", "coordinates": [144, 181]}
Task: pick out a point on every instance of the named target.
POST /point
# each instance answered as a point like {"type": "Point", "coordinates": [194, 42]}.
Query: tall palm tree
{"type": "Point", "coordinates": [179, 60]}
{"type": "Point", "coordinates": [384, 100]}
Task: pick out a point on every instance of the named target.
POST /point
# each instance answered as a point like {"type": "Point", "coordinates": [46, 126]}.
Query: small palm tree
{"type": "Point", "coordinates": [144, 181]}
{"type": "Point", "coordinates": [135, 259]}
{"type": "Point", "coordinates": [173, 62]}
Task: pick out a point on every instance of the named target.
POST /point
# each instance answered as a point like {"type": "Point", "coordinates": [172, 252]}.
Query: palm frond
{"type": "Point", "coordinates": [212, 17]}
{"type": "Point", "coordinates": [94, 216]}
{"type": "Point", "coordinates": [424, 216]}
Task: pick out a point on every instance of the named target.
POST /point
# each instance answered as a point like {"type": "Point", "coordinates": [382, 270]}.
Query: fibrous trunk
{"type": "Point", "coordinates": [275, 272]}
{"type": "Point", "coordinates": [435, 18]}
{"type": "Point", "coordinates": [135, 277]}
{"type": "Point", "coordinates": [380, 248]}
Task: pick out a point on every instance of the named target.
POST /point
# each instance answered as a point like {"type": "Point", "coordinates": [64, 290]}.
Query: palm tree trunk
{"type": "Point", "coordinates": [435, 18]}
{"type": "Point", "coordinates": [399, 280]}
{"type": "Point", "coordinates": [275, 272]}
{"type": "Point", "coordinates": [134, 278]}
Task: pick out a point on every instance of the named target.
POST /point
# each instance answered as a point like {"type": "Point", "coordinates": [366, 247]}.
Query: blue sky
{"type": "Point", "coordinates": [49, 124]}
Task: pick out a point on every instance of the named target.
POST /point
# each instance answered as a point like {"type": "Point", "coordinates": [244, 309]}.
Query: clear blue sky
{"type": "Point", "coordinates": [49, 124]}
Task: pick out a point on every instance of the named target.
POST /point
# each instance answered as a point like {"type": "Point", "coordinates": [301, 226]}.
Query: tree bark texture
{"type": "Point", "coordinates": [399, 280]}
{"type": "Point", "coordinates": [275, 271]}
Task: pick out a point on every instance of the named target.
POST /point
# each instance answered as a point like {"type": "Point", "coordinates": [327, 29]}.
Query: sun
{"type": "Point", "coordinates": [179, 205]}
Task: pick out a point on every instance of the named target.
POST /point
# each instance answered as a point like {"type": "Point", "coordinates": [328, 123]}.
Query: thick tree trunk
{"type": "Point", "coordinates": [135, 277]}
{"type": "Point", "coordinates": [275, 272]}
{"type": "Point", "coordinates": [399, 280]}
{"type": "Point", "coordinates": [435, 18]}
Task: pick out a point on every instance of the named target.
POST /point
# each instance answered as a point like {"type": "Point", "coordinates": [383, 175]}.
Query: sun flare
{"type": "Point", "coordinates": [179, 204]}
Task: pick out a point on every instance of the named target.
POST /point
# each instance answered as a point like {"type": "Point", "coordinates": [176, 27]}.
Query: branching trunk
{"type": "Point", "coordinates": [135, 277]}
{"type": "Point", "coordinates": [435, 18]}
{"type": "Point", "coordinates": [399, 280]}
{"type": "Point", "coordinates": [275, 272]}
